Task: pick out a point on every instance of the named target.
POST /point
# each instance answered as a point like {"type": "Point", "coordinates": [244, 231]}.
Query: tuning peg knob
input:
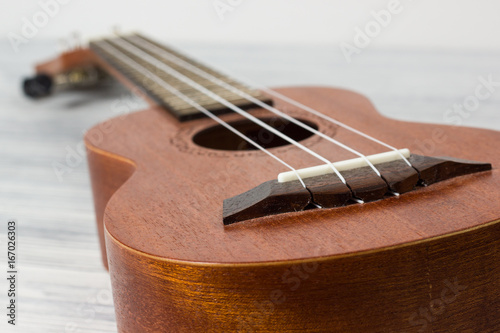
{"type": "Point", "coordinates": [38, 86]}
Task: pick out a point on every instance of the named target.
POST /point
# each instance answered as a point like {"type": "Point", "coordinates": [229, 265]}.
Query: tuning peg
{"type": "Point", "coordinates": [38, 86]}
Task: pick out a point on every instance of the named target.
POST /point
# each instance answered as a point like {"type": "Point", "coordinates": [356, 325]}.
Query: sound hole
{"type": "Point", "coordinates": [218, 137]}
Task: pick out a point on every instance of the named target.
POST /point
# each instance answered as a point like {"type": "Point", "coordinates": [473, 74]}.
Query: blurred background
{"type": "Point", "coordinates": [417, 60]}
{"type": "Point", "coordinates": [458, 24]}
{"type": "Point", "coordinates": [425, 53]}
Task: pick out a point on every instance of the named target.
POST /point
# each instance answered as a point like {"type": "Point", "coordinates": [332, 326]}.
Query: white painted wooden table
{"type": "Point", "coordinates": [62, 284]}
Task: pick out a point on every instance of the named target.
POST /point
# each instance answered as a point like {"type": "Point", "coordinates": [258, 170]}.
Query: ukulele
{"type": "Point", "coordinates": [227, 208]}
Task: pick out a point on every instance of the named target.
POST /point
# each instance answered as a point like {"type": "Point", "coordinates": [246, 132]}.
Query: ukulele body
{"type": "Point", "coordinates": [427, 260]}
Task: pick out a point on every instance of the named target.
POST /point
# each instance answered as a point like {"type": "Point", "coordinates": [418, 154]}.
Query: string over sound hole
{"type": "Point", "coordinates": [218, 137]}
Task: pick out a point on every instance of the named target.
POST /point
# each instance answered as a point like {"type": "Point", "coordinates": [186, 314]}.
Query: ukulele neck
{"type": "Point", "coordinates": [112, 51]}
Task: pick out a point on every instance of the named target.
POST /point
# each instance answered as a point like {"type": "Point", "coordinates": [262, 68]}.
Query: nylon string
{"type": "Point", "coordinates": [173, 58]}
{"type": "Point", "coordinates": [167, 69]}
{"type": "Point", "coordinates": [130, 62]}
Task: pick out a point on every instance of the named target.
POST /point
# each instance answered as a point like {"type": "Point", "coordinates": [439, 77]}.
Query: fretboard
{"type": "Point", "coordinates": [163, 97]}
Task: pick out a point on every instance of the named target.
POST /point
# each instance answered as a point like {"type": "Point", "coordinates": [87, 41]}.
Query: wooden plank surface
{"type": "Point", "coordinates": [62, 284]}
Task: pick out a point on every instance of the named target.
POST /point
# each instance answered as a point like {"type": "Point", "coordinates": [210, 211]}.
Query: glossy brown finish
{"type": "Point", "coordinates": [400, 177]}
{"type": "Point", "coordinates": [365, 184]}
{"type": "Point", "coordinates": [453, 280]}
{"type": "Point", "coordinates": [170, 167]}
{"type": "Point", "coordinates": [269, 198]}
{"type": "Point", "coordinates": [107, 175]}
{"type": "Point", "coordinates": [176, 268]}
{"type": "Point", "coordinates": [432, 170]}
{"type": "Point", "coordinates": [328, 191]}
{"type": "Point", "coordinates": [424, 261]}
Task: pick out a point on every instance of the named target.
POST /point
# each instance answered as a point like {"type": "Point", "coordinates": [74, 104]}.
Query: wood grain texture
{"type": "Point", "coordinates": [175, 267]}
{"type": "Point", "coordinates": [454, 279]}
{"type": "Point", "coordinates": [269, 198]}
{"type": "Point", "coordinates": [108, 174]}
{"type": "Point", "coordinates": [328, 191]}
{"type": "Point", "coordinates": [63, 281]}
{"type": "Point", "coordinates": [162, 179]}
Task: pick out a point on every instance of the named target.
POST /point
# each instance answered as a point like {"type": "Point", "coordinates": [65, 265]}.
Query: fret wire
{"type": "Point", "coordinates": [179, 57]}
{"type": "Point", "coordinates": [209, 114]}
{"type": "Point", "coordinates": [143, 55]}
{"type": "Point", "coordinates": [183, 110]}
{"type": "Point", "coordinates": [159, 93]}
{"type": "Point", "coordinates": [172, 59]}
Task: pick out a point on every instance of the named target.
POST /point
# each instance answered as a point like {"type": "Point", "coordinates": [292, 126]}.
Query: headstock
{"type": "Point", "coordinates": [75, 68]}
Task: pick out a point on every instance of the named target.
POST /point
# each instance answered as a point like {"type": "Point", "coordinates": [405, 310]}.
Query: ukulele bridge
{"type": "Point", "coordinates": [324, 189]}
